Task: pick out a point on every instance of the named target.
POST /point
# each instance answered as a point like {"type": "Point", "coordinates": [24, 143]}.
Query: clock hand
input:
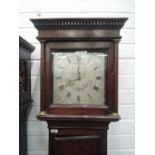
{"type": "Point", "coordinates": [78, 69]}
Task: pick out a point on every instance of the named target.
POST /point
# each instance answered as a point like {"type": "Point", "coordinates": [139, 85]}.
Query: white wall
{"type": "Point", "coordinates": [121, 134]}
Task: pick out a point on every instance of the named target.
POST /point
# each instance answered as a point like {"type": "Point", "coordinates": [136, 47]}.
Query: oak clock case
{"type": "Point", "coordinates": [79, 82]}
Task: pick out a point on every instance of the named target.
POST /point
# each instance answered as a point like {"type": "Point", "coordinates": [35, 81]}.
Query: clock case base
{"type": "Point", "coordinates": [78, 134]}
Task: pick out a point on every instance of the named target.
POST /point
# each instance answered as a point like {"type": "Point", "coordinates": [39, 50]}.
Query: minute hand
{"type": "Point", "coordinates": [78, 69]}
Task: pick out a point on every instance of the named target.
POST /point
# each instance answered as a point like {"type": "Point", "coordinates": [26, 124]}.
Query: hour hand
{"type": "Point", "coordinates": [78, 68]}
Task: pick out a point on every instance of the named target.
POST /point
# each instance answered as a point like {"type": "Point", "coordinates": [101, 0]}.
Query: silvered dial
{"type": "Point", "coordinates": [79, 78]}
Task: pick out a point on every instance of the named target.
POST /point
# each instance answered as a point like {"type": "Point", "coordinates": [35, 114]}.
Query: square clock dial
{"type": "Point", "coordinates": [79, 77]}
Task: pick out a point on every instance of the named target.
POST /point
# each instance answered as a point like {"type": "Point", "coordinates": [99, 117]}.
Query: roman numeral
{"type": "Point", "coordinates": [95, 88]}
{"type": "Point", "coordinates": [69, 83]}
{"type": "Point", "coordinates": [89, 59]}
{"type": "Point", "coordinates": [78, 58]}
{"type": "Point", "coordinates": [69, 61]}
{"type": "Point", "coordinates": [98, 78]}
{"type": "Point", "coordinates": [95, 68]}
{"type": "Point", "coordinates": [68, 95]}
{"type": "Point", "coordinates": [78, 99]}
{"type": "Point", "coordinates": [89, 95]}
{"type": "Point", "coordinates": [61, 87]}
{"type": "Point", "coordinates": [59, 78]}
{"type": "Point", "coordinates": [61, 67]}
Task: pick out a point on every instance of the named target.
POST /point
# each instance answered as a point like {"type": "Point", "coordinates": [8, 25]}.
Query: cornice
{"type": "Point", "coordinates": [79, 23]}
{"type": "Point", "coordinates": [25, 44]}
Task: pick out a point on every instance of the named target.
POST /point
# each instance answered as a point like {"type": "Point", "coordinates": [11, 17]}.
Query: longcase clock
{"type": "Point", "coordinates": [25, 101]}
{"type": "Point", "coordinates": [79, 82]}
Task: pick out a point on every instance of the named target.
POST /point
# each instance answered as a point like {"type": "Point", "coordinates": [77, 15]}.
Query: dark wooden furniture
{"type": "Point", "coordinates": [79, 129]}
{"type": "Point", "coordinates": [25, 50]}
